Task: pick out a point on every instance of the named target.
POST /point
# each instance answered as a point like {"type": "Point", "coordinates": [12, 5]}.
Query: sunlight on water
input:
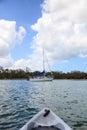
{"type": "Point", "coordinates": [21, 99]}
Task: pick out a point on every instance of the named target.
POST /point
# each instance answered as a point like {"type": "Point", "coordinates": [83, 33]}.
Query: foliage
{"type": "Point", "coordinates": [21, 74]}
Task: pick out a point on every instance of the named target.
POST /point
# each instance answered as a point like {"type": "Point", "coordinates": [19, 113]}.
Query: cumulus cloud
{"type": "Point", "coordinates": [6, 61]}
{"type": "Point", "coordinates": [20, 34]}
{"type": "Point", "coordinates": [21, 64]}
{"type": "Point", "coordinates": [73, 10]}
{"type": "Point", "coordinates": [62, 29]}
{"type": "Point", "coordinates": [34, 62]}
{"type": "Point", "coordinates": [8, 38]}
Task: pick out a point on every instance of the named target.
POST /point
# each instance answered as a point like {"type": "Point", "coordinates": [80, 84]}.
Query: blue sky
{"type": "Point", "coordinates": [25, 13]}
{"type": "Point", "coordinates": [27, 26]}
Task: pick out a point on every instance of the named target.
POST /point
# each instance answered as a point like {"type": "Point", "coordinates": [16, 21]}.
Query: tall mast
{"type": "Point", "coordinates": [43, 61]}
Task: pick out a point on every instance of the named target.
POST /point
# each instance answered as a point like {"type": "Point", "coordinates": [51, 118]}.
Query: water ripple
{"type": "Point", "coordinates": [21, 99]}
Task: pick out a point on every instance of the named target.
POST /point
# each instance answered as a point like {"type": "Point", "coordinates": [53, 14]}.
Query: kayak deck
{"type": "Point", "coordinates": [46, 128]}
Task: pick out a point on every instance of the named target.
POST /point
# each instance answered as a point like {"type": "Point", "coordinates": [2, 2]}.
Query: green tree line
{"type": "Point", "coordinates": [21, 74]}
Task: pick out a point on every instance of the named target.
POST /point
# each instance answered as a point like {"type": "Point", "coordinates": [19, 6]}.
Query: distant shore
{"type": "Point", "coordinates": [21, 74]}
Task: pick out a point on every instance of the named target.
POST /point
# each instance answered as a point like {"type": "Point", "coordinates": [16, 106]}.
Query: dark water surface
{"type": "Point", "coordinates": [21, 99]}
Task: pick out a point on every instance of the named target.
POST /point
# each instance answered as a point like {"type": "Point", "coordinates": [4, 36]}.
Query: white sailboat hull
{"type": "Point", "coordinates": [40, 79]}
{"type": "Point", "coordinates": [46, 120]}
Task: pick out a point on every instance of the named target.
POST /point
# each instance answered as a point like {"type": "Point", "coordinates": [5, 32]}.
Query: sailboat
{"type": "Point", "coordinates": [41, 76]}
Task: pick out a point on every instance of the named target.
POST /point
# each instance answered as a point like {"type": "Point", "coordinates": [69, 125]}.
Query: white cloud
{"type": "Point", "coordinates": [6, 61]}
{"type": "Point", "coordinates": [62, 29]}
{"type": "Point", "coordinates": [73, 10]}
{"type": "Point", "coordinates": [8, 38]}
{"type": "Point", "coordinates": [20, 34]}
{"type": "Point", "coordinates": [21, 64]}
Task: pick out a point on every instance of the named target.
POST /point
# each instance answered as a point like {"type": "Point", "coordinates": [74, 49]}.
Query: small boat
{"type": "Point", "coordinates": [46, 119]}
{"type": "Point", "coordinates": [41, 76]}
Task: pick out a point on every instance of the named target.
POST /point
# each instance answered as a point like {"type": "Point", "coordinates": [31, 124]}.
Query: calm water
{"type": "Point", "coordinates": [21, 99]}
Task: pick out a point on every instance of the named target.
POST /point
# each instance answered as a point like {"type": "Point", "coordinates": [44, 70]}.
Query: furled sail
{"type": "Point", "coordinates": [39, 73]}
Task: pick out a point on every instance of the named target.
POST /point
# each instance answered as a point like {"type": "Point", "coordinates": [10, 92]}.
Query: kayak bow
{"type": "Point", "coordinates": [46, 120]}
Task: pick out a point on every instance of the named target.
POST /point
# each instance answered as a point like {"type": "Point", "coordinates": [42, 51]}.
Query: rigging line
{"type": "Point", "coordinates": [48, 64]}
